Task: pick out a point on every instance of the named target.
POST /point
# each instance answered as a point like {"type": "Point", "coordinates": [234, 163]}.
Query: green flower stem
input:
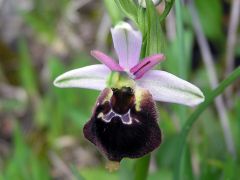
{"type": "Point", "coordinates": [168, 7]}
{"type": "Point", "coordinates": [141, 168]}
{"type": "Point", "coordinates": [182, 69]}
{"type": "Point", "coordinates": [181, 60]}
{"type": "Point", "coordinates": [194, 117]}
{"type": "Point", "coordinates": [180, 40]}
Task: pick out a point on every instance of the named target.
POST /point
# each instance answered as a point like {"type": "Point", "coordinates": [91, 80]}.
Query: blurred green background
{"type": "Point", "coordinates": [41, 126]}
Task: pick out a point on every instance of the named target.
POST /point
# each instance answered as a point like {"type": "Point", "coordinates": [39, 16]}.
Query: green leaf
{"type": "Point", "coordinates": [210, 13]}
{"type": "Point", "coordinates": [23, 163]}
{"type": "Point", "coordinates": [194, 117]}
{"type": "Point", "coordinates": [162, 173]}
{"type": "Point", "coordinates": [230, 168]}
{"type": "Point", "coordinates": [168, 7]}
{"type": "Point", "coordinates": [101, 174]}
{"type": "Point", "coordinates": [149, 21]}
{"type": "Point", "coordinates": [26, 70]}
{"type": "Point", "coordinates": [129, 8]}
{"type": "Point", "coordinates": [113, 11]}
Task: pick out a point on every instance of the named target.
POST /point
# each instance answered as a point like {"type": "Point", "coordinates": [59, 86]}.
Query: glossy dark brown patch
{"type": "Point", "coordinates": [122, 100]}
{"type": "Point", "coordinates": [117, 139]}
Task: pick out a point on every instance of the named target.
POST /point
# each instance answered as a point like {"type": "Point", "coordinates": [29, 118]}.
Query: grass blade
{"type": "Point", "coordinates": [193, 118]}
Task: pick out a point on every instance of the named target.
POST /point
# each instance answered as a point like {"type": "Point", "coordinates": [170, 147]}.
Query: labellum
{"type": "Point", "coordinates": [124, 123]}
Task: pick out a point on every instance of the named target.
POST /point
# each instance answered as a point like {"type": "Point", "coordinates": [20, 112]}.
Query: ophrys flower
{"type": "Point", "coordinates": [124, 120]}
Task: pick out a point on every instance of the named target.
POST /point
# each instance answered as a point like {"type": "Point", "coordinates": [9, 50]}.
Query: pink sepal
{"type": "Point", "coordinates": [146, 64]}
{"type": "Point", "coordinates": [105, 59]}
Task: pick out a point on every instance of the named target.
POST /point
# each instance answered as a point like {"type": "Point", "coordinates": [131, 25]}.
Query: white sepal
{"type": "Point", "coordinates": [90, 77]}
{"type": "Point", "coordinates": [168, 88]}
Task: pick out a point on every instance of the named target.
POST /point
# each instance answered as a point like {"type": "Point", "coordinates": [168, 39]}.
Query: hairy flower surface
{"type": "Point", "coordinates": [124, 120]}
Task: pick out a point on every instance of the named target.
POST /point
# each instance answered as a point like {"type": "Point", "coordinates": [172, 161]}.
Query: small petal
{"type": "Point", "coordinates": [127, 43]}
{"type": "Point", "coordinates": [169, 88]}
{"type": "Point", "coordinates": [146, 64]}
{"type": "Point", "coordinates": [105, 59]}
{"type": "Point", "coordinates": [90, 77]}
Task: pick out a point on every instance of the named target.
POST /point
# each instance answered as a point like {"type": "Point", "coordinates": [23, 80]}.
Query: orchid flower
{"type": "Point", "coordinates": [124, 120]}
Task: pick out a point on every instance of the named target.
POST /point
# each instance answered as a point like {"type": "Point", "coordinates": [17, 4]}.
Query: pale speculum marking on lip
{"type": "Point", "coordinates": [119, 107]}
{"type": "Point", "coordinates": [125, 118]}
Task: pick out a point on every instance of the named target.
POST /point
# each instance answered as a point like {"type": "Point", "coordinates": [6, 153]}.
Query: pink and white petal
{"type": "Point", "coordinates": [90, 77]}
{"type": "Point", "coordinates": [169, 88]}
{"type": "Point", "coordinates": [105, 59]}
{"type": "Point", "coordinates": [146, 64]}
{"type": "Point", "coordinates": [127, 43]}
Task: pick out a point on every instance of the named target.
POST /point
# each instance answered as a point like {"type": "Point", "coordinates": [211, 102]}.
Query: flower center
{"type": "Point", "coordinates": [119, 106]}
{"type": "Point", "coordinates": [121, 79]}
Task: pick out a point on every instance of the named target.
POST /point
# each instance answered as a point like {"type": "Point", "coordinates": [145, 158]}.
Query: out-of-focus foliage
{"type": "Point", "coordinates": [41, 125]}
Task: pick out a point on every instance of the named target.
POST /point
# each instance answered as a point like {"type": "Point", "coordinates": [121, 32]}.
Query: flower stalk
{"type": "Point", "coordinates": [142, 167]}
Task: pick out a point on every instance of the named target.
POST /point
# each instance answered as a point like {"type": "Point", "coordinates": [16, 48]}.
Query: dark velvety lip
{"type": "Point", "coordinates": [117, 139]}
